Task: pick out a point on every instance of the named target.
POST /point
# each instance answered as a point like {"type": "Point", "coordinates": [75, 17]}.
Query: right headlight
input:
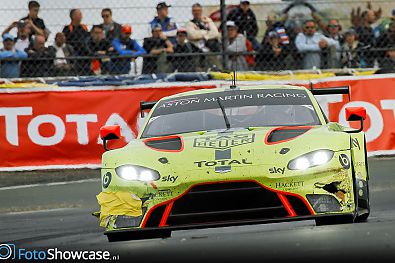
{"type": "Point", "coordinates": [310, 159]}
{"type": "Point", "coordinates": [137, 173]}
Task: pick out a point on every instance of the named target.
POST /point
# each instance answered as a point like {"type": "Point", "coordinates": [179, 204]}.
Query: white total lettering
{"type": "Point", "coordinates": [11, 122]}
{"type": "Point", "coordinates": [81, 121]}
{"type": "Point", "coordinates": [37, 138]}
{"type": "Point", "coordinates": [388, 105]}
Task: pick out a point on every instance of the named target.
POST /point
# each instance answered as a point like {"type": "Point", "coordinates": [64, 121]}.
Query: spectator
{"type": "Point", "coordinates": [168, 25]}
{"type": "Point", "coordinates": [365, 32]}
{"type": "Point", "coordinates": [158, 45]}
{"type": "Point", "coordinates": [311, 43]}
{"type": "Point", "coordinates": [386, 41]}
{"type": "Point", "coordinates": [237, 43]}
{"type": "Point", "coordinates": [287, 37]}
{"type": "Point", "coordinates": [351, 56]}
{"type": "Point", "coordinates": [245, 20]}
{"type": "Point", "coordinates": [36, 24]}
{"type": "Point", "coordinates": [204, 35]}
{"type": "Point", "coordinates": [182, 46]}
{"type": "Point", "coordinates": [388, 63]}
{"type": "Point", "coordinates": [272, 54]}
{"type": "Point", "coordinates": [332, 30]}
{"type": "Point", "coordinates": [10, 69]}
{"type": "Point", "coordinates": [111, 28]}
{"type": "Point", "coordinates": [41, 59]}
{"type": "Point", "coordinates": [76, 34]}
{"type": "Point", "coordinates": [62, 66]}
{"type": "Point", "coordinates": [125, 46]}
{"type": "Point", "coordinates": [98, 46]}
{"type": "Point", "coordinates": [23, 38]}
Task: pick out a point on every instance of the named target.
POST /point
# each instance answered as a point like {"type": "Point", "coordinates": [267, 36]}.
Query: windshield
{"type": "Point", "coordinates": [243, 110]}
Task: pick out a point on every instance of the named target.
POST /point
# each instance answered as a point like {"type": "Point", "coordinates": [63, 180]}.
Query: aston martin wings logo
{"type": "Point", "coordinates": [223, 141]}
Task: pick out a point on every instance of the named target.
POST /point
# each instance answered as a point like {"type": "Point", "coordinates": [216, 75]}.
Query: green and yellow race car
{"type": "Point", "coordinates": [234, 156]}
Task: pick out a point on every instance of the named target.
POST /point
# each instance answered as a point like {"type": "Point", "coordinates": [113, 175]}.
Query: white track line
{"type": "Point", "coordinates": [40, 211]}
{"type": "Point", "coordinates": [48, 184]}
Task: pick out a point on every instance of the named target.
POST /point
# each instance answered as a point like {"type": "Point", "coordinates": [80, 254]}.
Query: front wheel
{"type": "Point", "coordinates": [363, 208]}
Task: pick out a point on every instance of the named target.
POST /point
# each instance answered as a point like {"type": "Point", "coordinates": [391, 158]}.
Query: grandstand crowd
{"type": "Point", "coordinates": [109, 48]}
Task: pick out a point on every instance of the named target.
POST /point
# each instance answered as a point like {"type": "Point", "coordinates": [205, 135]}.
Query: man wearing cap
{"type": "Point", "coordinates": [23, 38]}
{"type": "Point", "coordinates": [272, 54]}
{"type": "Point", "coordinates": [10, 69]}
{"type": "Point", "coordinates": [183, 46]}
{"type": "Point", "coordinates": [168, 25]}
{"type": "Point", "coordinates": [125, 46]}
{"type": "Point", "coordinates": [237, 43]}
{"type": "Point", "coordinates": [245, 20]}
{"type": "Point", "coordinates": [351, 56]}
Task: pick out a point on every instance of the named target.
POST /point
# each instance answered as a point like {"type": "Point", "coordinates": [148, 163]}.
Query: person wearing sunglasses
{"type": "Point", "coordinates": [310, 44]}
{"type": "Point", "coordinates": [111, 28]}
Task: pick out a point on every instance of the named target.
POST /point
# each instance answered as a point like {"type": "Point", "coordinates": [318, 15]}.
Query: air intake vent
{"type": "Point", "coordinates": [169, 143]}
{"type": "Point", "coordinates": [284, 134]}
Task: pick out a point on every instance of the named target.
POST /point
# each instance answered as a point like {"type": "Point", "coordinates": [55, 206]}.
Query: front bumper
{"type": "Point", "coordinates": [164, 232]}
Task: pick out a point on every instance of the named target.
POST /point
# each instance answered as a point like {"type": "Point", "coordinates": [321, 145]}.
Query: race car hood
{"type": "Point", "coordinates": [223, 149]}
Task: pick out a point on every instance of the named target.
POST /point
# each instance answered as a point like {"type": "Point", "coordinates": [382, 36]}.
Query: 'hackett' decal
{"type": "Point", "coordinates": [224, 141]}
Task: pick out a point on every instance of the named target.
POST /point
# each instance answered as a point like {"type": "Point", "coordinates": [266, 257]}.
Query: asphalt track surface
{"type": "Point", "coordinates": [58, 215]}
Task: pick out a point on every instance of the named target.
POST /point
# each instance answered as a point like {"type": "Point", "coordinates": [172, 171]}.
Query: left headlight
{"type": "Point", "coordinates": [310, 159]}
{"type": "Point", "coordinates": [137, 173]}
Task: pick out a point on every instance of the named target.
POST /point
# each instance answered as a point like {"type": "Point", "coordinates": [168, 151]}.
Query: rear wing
{"type": "Point", "coordinates": [331, 90]}
{"type": "Point", "coordinates": [146, 105]}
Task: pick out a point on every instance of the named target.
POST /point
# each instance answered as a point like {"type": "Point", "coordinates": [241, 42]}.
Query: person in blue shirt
{"type": "Point", "coordinates": [10, 69]}
{"type": "Point", "coordinates": [168, 25]}
{"type": "Point", "coordinates": [125, 46]}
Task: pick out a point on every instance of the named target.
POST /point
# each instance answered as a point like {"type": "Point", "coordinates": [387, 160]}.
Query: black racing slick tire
{"type": "Point", "coordinates": [364, 211]}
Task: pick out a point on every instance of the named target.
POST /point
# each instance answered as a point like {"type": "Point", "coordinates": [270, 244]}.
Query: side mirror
{"type": "Point", "coordinates": [356, 114]}
{"type": "Point", "coordinates": [112, 132]}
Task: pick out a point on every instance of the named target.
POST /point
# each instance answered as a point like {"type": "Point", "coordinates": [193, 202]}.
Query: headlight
{"type": "Point", "coordinates": [137, 173]}
{"type": "Point", "coordinates": [310, 160]}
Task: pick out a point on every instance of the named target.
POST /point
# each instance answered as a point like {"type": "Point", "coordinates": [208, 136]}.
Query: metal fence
{"type": "Point", "coordinates": [262, 35]}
